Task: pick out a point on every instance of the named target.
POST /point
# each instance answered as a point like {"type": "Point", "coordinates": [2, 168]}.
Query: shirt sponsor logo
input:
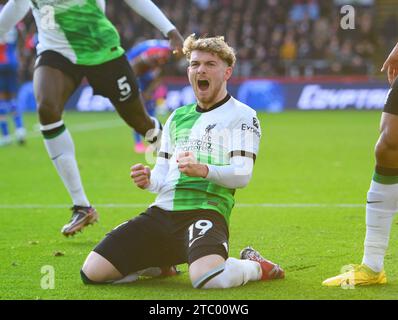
{"type": "Point", "coordinates": [203, 144]}
{"type": "Point", "coordinates": [196, 145]}
{"type": "Point", "coordinates": [246, 127]}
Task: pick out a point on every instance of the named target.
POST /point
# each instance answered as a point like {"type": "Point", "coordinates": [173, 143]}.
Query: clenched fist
{"type": "Point", "coordinates": [141, 175]}
{"type": "Point", "coordinates": [188, 165]}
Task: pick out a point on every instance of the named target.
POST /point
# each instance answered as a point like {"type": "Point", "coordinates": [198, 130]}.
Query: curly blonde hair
{"type": "Point", "coordinates": [216, 45]}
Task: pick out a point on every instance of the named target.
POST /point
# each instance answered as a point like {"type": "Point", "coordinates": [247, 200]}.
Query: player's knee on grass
{"type": "Point", "coordinates": [96, 269]}
{"type": "Point", "coordinates": [204, 269]}
{"type": "Point", "coordinates": [85, 278]}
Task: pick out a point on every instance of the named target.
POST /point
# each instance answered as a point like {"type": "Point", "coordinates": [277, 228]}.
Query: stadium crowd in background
{"type": "Point", "coordinates": [273, 38]}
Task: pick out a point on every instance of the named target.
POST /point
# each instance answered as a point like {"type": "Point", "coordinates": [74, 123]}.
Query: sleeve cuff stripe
{"type": "Point", "coordinates": [242, 153]}
{"type": "Point", "coordinates": [165, 155]}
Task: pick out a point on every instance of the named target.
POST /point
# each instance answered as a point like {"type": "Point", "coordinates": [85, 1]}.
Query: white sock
{"type": "Point", "coordinates": [236, 273]}
{"type": "Point", "coordinates": [379, 216]}
{"type": "Point", "coordinates": [62, 152]}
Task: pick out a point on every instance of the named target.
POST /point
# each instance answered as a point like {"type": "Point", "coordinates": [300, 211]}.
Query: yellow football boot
{"type": "Point", "coordinates": [356, 275]}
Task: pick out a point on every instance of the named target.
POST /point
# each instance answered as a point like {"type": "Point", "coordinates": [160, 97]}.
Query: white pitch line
{"type": "Point", "coordinates": [140, 205]}
{"type": "Point", "coordinates": [302, 205]}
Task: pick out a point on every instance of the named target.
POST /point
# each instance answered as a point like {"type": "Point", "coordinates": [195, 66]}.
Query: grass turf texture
{"type": "Point", "coordinates": [305, 158]}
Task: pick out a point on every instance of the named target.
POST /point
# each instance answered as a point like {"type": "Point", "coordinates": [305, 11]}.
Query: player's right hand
{"type": "Point", "coordinates": [176, 42]}
{"type": "Point", "coordinates": [141, 175]}
{"type": "Point", "coordinates": [391, 65]}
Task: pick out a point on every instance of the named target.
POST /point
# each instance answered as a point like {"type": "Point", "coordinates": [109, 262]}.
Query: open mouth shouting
{"type": "Point", "coordinates": [203, 85]}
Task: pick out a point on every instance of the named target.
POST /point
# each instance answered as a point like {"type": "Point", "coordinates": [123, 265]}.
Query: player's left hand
{"type": "Point", "coordinates": [391, 65]}
{"type": "Point", "coordinates": [188, 165]}
{"type": "Point", "coordinates": [176, 42]}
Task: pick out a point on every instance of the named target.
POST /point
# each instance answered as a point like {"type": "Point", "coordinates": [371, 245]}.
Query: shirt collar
{"type": "Point", "coordinates": [218, 104]}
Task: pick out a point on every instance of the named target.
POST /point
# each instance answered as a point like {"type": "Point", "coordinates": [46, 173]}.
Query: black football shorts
{"type": "Point", "coordinates": [113, 79]}
{"type": "Point", "coordinates": [158, 238]}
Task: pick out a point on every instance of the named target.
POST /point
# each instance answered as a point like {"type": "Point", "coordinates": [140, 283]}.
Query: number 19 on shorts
{"type": "Point", "coordinates": [202, 226]}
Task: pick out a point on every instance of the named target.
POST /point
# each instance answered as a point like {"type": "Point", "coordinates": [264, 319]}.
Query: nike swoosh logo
{"type": "Point", "coordinates": [373, 202]}
{"type": "Point", "coordinates": [56, 157]}
{"type": "Point", "coordinates": [125, 98]}
{"type": "Point", "coordinates": [191, 243]}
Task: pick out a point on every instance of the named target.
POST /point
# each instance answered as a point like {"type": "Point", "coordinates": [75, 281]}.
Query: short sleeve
{"type": "Point", "coordinates": [246, 136]}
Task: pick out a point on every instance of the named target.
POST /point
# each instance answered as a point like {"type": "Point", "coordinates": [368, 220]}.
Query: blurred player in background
{"type": "Point", "coordinates": [382, 197]}
{"type": "Point", "coordinates": [147, 59]}
{"type": "Point", "coordinates": [208, 150]}
{"type": "Point", "coordinates": [9, 88]}
{"type": "Point", "coordinates": [76, 40]}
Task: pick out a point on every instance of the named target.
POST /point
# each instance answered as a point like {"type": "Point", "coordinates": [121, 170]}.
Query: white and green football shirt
{"type": "Point", "coordinates": [230, 128]}
{"type": "Point", "coordinates": [77, 29]}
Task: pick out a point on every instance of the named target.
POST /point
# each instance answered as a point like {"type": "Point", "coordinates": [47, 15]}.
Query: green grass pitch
{"type": "Point", "coordinates": [303, 209]}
